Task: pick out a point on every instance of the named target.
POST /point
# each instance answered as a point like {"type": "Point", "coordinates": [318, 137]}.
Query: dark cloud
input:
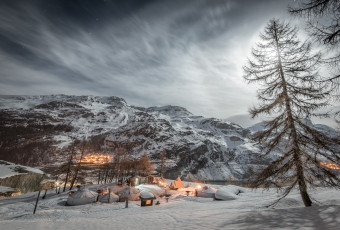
{"type": "Point", "coordinates": [89, 13]}
{"type": "Point", "coordinates": [186, 53]}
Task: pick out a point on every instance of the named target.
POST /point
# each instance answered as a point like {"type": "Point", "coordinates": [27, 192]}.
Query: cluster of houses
{"type": "Point", "coordinates": [137, 180]}
{"type": "Point", "coordinates": [131, 193]}
{"type": "Point", "coordinates": [118, 193]}
{"type": "Point", "coordinates": [134, 181]}
{"type": "Point", "coordinates": [122, 193]}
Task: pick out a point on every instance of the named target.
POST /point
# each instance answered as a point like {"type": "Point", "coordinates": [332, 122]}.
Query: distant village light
{"type": "Point", "coordinates": [330, 165]}
{"type": "Point", "coordinates": [96, 158]}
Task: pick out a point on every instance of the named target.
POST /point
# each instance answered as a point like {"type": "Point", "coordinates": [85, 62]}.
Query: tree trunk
{"type": "Point", "coordinates": [106, 174]}
{"type": "Point", "coordinates": [44, 196]}
{"type": "Point", "coordinates": [98, 176]}
{"type": "Point", "coordinates": [78, 166]}
{"type": "Point", "coordinates": [68, 172]}
{"type": "Point", "coordinates": [69, 166]}
{"type": "Point", "coordinates": [301, 180]}
{"type": "Point", "coordinates": [296, 149]}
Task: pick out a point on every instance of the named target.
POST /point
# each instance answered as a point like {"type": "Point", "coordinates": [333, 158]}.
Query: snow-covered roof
{"type": "Point", "coordinates": [147, 195]}
{"type": "Point", "coordinates": [81, 197]}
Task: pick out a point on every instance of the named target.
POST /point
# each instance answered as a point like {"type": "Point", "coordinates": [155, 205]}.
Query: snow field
{"type": "Point", "coordinates": [248, 211]}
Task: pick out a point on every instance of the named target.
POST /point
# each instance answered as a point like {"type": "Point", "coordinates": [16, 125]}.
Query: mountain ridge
{"type": "Point", "coordinates": [37, 129]}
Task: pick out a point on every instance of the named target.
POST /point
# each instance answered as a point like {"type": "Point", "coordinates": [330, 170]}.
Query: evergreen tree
{"type": "Point", "coordinates": [286, 69]}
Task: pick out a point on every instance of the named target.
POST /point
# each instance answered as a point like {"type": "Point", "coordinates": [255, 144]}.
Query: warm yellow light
{"type": "Point", "coordinates": [199, 186]}
{"type": "Point", "coordinates": [330, 165]}
{"type": "Point", "coordinates": [96, 158]}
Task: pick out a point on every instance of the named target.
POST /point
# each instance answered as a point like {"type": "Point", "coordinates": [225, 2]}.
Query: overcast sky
{"type": "Point", "coordinates": [151, 53]}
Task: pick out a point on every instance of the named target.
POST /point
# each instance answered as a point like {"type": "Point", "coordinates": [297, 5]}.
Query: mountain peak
{"type": "Point", "coordinates": [171, 110]}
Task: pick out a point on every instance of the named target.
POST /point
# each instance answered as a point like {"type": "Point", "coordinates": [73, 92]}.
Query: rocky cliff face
{"type": "Point", "coordinates": [36, 129]}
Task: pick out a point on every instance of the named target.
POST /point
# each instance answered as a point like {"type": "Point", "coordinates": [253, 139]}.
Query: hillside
{"type": "Point", "coordinates": [35, 130]}
{"type": "Point", "coordinates": [18, 178]}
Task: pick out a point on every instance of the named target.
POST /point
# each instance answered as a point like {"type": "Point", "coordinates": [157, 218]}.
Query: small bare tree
{"type": "Point", "coordinates": [83, 146]}
{"type": "Point", "coordinates": [162, 159]}
{"type": "Point", "coordinates": [120, 157]}
{"type": "Point", "coordinates": [146, 167]}
{"type": "Point", "coordinates": [69, 164]}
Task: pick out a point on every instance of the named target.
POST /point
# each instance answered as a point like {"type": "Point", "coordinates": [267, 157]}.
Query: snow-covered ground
{"type": "Point", "coordinates": [248, 211]}
{"type": "Point", "coordinates": [4, 189]}
{"type": "Point", "coordinates": [8, 169]}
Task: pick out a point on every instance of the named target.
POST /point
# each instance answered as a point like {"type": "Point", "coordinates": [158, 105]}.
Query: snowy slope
{"type": "Point", "coordinates": [8, 169]}
{"type": "Point", "coordinates": [247, 211]}
{"type": "Point", "coordinates": [35, 131]}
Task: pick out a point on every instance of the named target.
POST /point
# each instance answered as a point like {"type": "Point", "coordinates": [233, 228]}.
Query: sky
{"type": "Point", "coordinates": [151, 53]}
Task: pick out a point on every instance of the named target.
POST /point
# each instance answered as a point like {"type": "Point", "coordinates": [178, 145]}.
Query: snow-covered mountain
{"type": "Point", "coordinates": [36, 129]}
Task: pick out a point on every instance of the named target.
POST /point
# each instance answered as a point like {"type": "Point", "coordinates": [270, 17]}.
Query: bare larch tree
{"type": "Point", "coordinates": [69, 164]}
{"type": "Point", "coordinates": [119, 162]}
{"type": "Point", "coordinates": [323, 23]}
{"type": "Point", "coordinates": [83, 147]}
{"type": "Point", "coordinates": [162, 161]}
{"type": "Point", "coordinates": [286, 70]}
{"type": "Point", "coordinates": [146, 167]}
